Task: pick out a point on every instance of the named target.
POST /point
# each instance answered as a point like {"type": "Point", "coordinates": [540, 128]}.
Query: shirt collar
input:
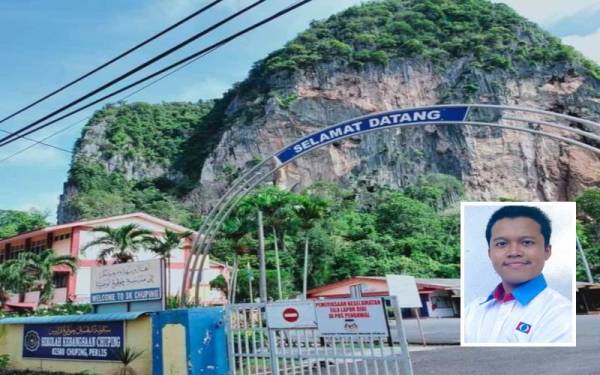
{"type": "Point", "coordinates": [524, 293]}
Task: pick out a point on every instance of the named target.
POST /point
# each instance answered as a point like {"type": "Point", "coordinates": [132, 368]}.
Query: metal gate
{"type": "Point", "coordinates": [256, 349]}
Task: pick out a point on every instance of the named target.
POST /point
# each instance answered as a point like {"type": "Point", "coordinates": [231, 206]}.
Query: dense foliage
{"type": "Point", "coordinates": [151, 132]}
{"type": "Point", "coordinates": [588, 231]}
{"type": "Point", "coordinates": [15, 222]}
{"type": "Point", "coordinates": [103, 193]}
{"type": "Point", "coordinates": [350, 233]}
{"type": "Point", "coordinates": [489, 35]}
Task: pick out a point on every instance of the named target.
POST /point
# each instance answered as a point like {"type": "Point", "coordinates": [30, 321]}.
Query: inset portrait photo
{"type": "Point", "coordinates": [518, 273]}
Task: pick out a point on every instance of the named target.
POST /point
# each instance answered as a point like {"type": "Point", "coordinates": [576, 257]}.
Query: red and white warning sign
{"type": "Point", "coordinates": [356, 316]}
{"type": "Point", "coordinates": [291, 314]}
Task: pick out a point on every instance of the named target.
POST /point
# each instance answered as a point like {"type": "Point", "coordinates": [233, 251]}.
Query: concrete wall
{"type": "Point", "coordinates": [194, 342]}
{"type": "Point", "coordinates": [138, 335]}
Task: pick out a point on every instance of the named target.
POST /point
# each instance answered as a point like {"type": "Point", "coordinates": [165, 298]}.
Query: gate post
{"type": "Point", "coordinates": [406, 362]}
{"type": "Point", "coordinates": [273, 352]}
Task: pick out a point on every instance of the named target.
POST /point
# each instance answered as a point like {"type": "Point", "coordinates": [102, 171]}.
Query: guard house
{"type": "Point", "coordinates": [440, 297]}
{"type": "Point", "coordinates": [70, 238]}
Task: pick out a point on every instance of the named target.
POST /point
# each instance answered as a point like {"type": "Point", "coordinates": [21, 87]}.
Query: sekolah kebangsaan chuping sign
{"type": "Point", "coordinates": [127, 282]}
{"type": "Point", "coordinates": [356, 316]}
{"type": "Point", "coordinates": [96, 341]}
{"type": "Point", "coordinates": [433, 115]}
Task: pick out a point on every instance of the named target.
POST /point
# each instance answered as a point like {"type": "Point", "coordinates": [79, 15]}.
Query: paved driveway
{"type": "Point", "coordinates": [581, 360]}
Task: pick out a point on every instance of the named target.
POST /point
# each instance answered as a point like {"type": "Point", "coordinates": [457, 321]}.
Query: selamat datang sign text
{"type": "Point", "coordinates": [127, 282]}
{"type": "Point", "coordinates": [349, 128]}
{"type": "Point", "coordinates": [357, 316]}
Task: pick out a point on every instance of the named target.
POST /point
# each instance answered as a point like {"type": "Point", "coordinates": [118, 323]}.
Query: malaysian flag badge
{"type": "Point", "coordinates": [523, 327]}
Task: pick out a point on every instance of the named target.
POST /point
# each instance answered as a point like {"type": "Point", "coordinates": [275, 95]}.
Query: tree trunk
{"type": "Point", "coordinates": [169, 275]}
{"type": "Point", "coordinates": [277, 265]}
{"type": "Point", "coordinates": [304, 278]}
{"type": "Point", "coordinates": [262, 261]}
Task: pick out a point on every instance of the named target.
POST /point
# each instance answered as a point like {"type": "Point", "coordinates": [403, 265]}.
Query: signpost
{"type": "Point", "coordinates": [96, 341]}
{"type": "Point", "coordinates": [404, 288]}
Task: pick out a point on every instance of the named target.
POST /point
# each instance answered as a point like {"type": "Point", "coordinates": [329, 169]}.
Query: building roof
{"type": "Point", "coordinates": [84, 223]}
{"type": "Point", "coordinates": [586, 285]}
{"type": "Point", "coordinates": [448, 284]}
{"type": "Point", "coordinates": [83, 318]}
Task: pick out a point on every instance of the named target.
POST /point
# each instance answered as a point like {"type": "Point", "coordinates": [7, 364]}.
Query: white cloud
{"type": "Point", "coordinates": [208, 88]}
{"type": "Point", "coordinates": [588, 44]}
{"type": "Point", "coordinates": [546, 11]}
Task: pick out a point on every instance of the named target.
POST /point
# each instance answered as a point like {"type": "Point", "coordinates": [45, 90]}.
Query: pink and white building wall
{"type": "Point", "coordinates": [70, 238]}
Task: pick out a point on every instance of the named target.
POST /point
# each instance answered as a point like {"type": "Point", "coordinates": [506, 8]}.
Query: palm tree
{"type": "Point", "coordinates": [17, 279]}
{"type": "Point", "coordinates": [126, 356]}
{"type": "Point", "coordinates": [119, 243]}
{"type": "Point", "coordinates": [13, 279]}
{"type": "Point", "coordinates": [309, 210]}
{"type": "Point", "coordinates": [41, 267]}
{"type": "Point", "coordinates": [163, 246]}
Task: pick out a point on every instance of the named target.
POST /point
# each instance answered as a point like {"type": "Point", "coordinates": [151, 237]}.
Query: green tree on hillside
{"type": "Point", "coordinates": [15, 222]}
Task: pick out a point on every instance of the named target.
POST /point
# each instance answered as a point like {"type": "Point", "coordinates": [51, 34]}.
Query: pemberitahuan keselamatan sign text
{"type": "Point", "coordinates": [433, 115]}
{"type": "Point", "coordinates": [96, 341]}
{"type": "Point", "coordinates": [351, 316]}
{"type": "Point", "coordinates": [127, 282]}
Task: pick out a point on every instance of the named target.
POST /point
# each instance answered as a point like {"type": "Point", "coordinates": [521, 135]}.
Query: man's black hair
{"type": "Point", "coordinates": [511, 212]}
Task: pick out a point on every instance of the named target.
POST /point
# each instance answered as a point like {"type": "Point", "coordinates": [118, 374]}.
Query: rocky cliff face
{"type": "Point", "coordinates": [480, 53]}
{"type": "Point", "coordinates": [492, 163]}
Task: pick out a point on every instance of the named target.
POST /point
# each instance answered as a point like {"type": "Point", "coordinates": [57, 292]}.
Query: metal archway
{"type": "Point", "coordinates": [504, 117]}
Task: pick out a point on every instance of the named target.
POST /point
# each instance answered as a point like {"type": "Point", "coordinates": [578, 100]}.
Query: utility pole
{"type": "Point", "coordinates": [262, 286]}
{"type": "Point", "coordinates": [305, 273]}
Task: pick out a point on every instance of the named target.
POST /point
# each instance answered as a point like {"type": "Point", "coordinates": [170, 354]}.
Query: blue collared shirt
{"type": "Point", "coordinates": [532, 313]}
{"type": "Point", "coordinates": [524, 293]}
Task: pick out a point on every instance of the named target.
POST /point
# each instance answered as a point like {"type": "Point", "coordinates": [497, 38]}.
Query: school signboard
{"type": "Point", "coordinates": [354, 316]}
{"type": "Point", "coordinates": [127, 282]}
{"type": "Point", "coordinates": [96, 341]}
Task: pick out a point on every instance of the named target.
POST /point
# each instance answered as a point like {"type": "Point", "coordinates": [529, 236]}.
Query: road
{"type": "Point", "coordinates": [581, 360]}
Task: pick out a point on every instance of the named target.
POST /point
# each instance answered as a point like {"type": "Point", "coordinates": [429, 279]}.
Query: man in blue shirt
{"type": "Point", "coordinates": [522, 308]}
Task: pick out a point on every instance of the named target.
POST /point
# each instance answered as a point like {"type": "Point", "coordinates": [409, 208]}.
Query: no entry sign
{"type": "Point", "coordinates": [291, 314]}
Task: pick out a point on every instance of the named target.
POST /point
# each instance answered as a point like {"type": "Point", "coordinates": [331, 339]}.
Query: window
{"type": "Point", "coordinates": [15, 250]}
{"type": "Point", "coordinates": [2, 256]}
{"type": "Point", "coordinates": [38, 246]}
{"type": "Point", "coordinates": [441, 302]}
{"type": "Point", "coordinates": [356, 290]}
{"type": "Point", "coordinates": [61, 280]}
{"type": "Point", "coordinates": [61, 237]}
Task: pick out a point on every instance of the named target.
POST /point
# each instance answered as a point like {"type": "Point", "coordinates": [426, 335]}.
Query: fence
{"type": "Point", "coordinates": [254, 348]}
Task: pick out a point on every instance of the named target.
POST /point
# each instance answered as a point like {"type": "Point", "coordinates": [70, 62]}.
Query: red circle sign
{"type": "Point", "coordinates": [291, 315]}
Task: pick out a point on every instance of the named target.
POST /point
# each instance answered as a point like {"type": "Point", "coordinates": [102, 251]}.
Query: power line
{"type": "Point", "coordinates": [152, 38]}
{"type": "Point", "coordinates": [36, 142]}
{"type": "Point", "coordinates": [4, 140]}
{"type": "Point", "coordinates": [180, 62]}
{"type": "Point", "coordinates": [89, 117]}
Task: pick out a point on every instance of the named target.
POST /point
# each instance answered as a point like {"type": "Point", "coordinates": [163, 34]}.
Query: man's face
{"type": "Point", "coordinates": [517, 250]}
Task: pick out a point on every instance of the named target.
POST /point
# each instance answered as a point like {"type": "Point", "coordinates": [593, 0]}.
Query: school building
{"type": "Point", "coordinates": [440, 297]}
{"type": "Point", "coordinates": [71, 238]}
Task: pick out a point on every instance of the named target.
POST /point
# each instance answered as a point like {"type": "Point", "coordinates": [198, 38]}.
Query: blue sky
{"type": "Point", "coordinates": [48, 43]}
